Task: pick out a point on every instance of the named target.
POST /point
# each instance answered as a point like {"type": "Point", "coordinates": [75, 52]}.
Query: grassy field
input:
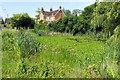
{"type": "Point", "coordinates": [58, 57]}
{"type": "Point", "coordinates": [77, 53]}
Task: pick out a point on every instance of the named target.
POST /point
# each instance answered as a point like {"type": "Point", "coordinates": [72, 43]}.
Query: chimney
{"type": "Point", "coordinates": [60, 7]}
{"type": "Point", "coordinates": [42, 9]}
{"type": "Point", "coordinates": [51, 9]}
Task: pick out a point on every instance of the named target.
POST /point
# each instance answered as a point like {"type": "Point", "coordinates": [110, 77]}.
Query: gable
{"type": "Point", "coordinates": [60, 12]}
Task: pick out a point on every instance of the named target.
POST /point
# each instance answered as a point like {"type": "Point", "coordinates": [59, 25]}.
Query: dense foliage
{"type": "Point", "coordinates": [75, 22]}
{"type": "Point", "coordinates": [22, 20]}
{"type": "Point", "coordinates": [94, 18]}
{"type": "Point", "coordinates": [40, 28]}
{"type": "Point", "coordinates": [107, 18]}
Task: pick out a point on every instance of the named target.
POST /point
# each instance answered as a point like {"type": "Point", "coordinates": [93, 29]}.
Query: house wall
{"type": "Point", "coordinates": [59, 15]}
{"type": "Point", "coordinates": [52, 18]}
{"type": "Point", "coordinates": [42, 16]}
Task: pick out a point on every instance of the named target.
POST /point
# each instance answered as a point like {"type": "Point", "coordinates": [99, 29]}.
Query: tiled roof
{"type": "Point", "coordinates": [7, 20]}
{"type": "Point", "coordinates": [52, 13]}
{"type": "Point", "coordinates": [1, 20]}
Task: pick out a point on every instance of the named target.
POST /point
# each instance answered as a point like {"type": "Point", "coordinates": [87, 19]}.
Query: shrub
{"type": "Point", "coordinates": [8, 40]}
{"type": "Point", "coordinates": [114, 47]}
{"type": "Point", "coordinates": [28, 43]}
{"type": "Point", "coordinates": [40, 28]}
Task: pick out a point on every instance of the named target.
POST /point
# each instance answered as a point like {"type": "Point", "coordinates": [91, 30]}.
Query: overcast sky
{"type": "Point", "coordinates": [11, 7]}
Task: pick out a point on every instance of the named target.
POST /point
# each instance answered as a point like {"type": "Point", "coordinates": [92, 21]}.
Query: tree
{"type": "Point", "coordinates": [15, 20]}
{"type": "Point", "coordinates": [85, 18]}
{"type": "Point", "coordinates": [106, 18]}
{"type": "Point", "coordinates": [38, 13]}
{"type": "Point", "coordinates": [67, 12]}
{"type": "Point", "coordinates": [99, 16]}
{"type": "Point", "coordinates": [22, 20]}
{"type": "Point", "coordinates": [76, 12]}
{"type": "Point", "coordinates": [113, 17]}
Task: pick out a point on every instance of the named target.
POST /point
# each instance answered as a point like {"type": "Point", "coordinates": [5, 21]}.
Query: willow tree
{"type": "Point", "coordinates": [99, 17]}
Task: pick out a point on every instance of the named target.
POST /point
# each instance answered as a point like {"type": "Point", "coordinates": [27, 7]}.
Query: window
{"type": "Point", "coordinates": [48, 18]}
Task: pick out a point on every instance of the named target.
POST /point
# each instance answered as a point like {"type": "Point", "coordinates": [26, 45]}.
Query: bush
{"type": "Point", "coordinates": [28, 43]}
{"type": "Point", "coordinates": [8, 40]}
{"type": "Point", "coordinates": [40, 29]}
{"type": "Point", "coordinates": [114, 47]}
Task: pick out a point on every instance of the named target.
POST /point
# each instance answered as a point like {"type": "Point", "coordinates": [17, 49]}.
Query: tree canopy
{"type": "Point", "coordinates": [74, 22]}
{"type": "Point", "coordinates": [22, 20]}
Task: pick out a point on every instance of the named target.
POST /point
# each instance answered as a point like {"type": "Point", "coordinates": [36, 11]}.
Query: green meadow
{"type": "Point", "coordinates": [27, 55]}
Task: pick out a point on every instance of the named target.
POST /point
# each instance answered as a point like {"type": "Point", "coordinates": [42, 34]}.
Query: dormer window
{"type": "Point", "coordinates": [47, 18]}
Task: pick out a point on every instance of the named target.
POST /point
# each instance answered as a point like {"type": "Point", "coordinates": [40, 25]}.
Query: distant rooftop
{"type": "Point", "coordinates": [51, 12]}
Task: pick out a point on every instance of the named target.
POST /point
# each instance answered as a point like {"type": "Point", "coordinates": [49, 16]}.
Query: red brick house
{"type": "Point", "coordinates": [51, 15]}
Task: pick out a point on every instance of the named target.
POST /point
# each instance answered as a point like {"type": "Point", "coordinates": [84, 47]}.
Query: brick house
{"type": "Point", "coordinates": [48, 16]}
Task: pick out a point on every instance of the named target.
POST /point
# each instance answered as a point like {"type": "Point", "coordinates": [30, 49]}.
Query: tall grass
{"type": "Point", "coordinates": [28, 43]}
{"type": "Point", "coordinates": [0, 54]}
{"type": "Point", "coordinates": [27, 55]}
{"type": "Point", "coordinates": [17, 45]}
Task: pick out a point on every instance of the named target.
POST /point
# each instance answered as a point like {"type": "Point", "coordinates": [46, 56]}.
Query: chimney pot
{"type": "Point", "coordinates": [51, 9]}
{"type": "Point", "coordinates": [42, 9]}
{"type": "Point", "coordinates": [60, 7]}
